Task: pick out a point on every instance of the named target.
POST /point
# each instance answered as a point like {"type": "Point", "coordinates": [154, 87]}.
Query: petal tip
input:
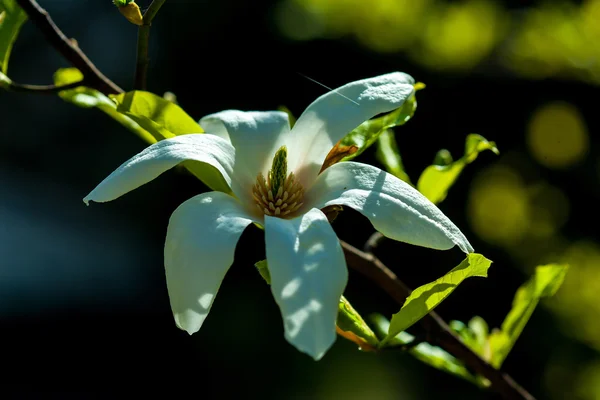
{"type": "Point", "coordinates": [316, 351]}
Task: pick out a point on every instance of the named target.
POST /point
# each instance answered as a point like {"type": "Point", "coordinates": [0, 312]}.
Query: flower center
{"type": "Point", "coordinates": [279, 194]}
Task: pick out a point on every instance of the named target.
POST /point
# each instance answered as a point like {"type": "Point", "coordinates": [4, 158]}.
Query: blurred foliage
{"type": "Point", "coordinates": [544, 283]}
{"type": "Point", "coordinates": [529, 222]}
{"type": "Point", "coordinates": [536, 41]}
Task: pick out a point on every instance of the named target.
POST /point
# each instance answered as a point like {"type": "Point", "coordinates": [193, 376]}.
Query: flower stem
{"type": "Point", "coordinates": [41, 89]}
{"type": "Point", "coordinates": [143, 59]}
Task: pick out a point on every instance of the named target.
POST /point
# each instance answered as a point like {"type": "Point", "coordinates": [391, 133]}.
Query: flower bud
{"type": "Point", "coordinates": [130, 10]}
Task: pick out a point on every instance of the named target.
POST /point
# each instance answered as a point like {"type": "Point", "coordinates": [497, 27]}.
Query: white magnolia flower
{"type": "Point", "coordinates": [273, 172]}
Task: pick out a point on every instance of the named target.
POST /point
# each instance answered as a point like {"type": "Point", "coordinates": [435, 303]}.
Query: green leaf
{"type": "Point", "coordinates": [349, 320]}
{"type": "Point", "coordinates": [12, 17]}
{"type": "Point", "coordinates": [474, 335]}
{"type": "Point", "coordinates": [431, 355]}
{"type": "Point", "coordinates": [263, 270]}
{"type": "Point", "coordinates": [545, 282]}
{"type": "Point", "coordinates": [90, 98]}
{"type": "Point", "coordinates": [159, 116]}
{"type": "Point", "coordinates": [367, 133]}
{"type": "Point", "coordinates": [436, 180]}
{"type": "Point", "coordinates": [425, 298]}
{"type": "Point", "coordinates": [164, 119]}
{"type": "Point", "coordinates": [388, 154]}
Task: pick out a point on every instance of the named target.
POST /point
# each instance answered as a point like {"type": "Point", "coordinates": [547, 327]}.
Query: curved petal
{"type": "Point", "coordinates": [333, 115]}
{"type": "Point", "coordinates": [162, 156]}
{"type": "Point", "coordinates": [255, 136]}
{"type": "Point", "coordinates": [308, 277]}
{"type": "Point", "coordinates": [199, 248]}
{"type": "Point", "coordinates": [395, 208]}
{"type": "Point", "coordinates": [214, 126]}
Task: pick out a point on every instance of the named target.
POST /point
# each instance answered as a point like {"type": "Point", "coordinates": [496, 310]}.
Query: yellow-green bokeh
{"type": "Point", "coordinates": [557, 136]}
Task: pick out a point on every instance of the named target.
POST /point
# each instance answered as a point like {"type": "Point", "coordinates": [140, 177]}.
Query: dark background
{"type": "Point", "coordinates": [83, 303]}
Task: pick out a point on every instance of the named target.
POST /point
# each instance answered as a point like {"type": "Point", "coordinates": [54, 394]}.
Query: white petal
{"type": "Point", "coordinates": [199, 248]}
{"type": "Point", "coordinates": [214, 126]}
{"type": "Point", "coordinates": [308, 277]}
{"type": "Point", "coordinates": [256, 136]}
{"type": "Point", "coordinates": [333, 115]}
{"type": "Point", "coordinates": [162, 156]}
{"type": "Point", "coordinates": [395, 208]}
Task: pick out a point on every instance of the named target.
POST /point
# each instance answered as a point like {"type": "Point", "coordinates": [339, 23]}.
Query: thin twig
{"type": "Point", "coordinates": [373, 242]}
{"type": "Point", "coordinates": [68, 48]}
{"type": "Point", "coordinates": [437, 329]}
{"type": "Point", "coordinates": [143, 59]}
{"type": "Point", "coordinates": [41, 89]}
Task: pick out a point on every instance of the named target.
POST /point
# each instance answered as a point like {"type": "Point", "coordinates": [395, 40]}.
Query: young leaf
{"type": "Point", "coordinates": [367, 133]}
{"type": "Point", "coordinates": [12, 17]}
{"type": "Point", "coordinates": [159, 116]}
{"type": "Point", "coordinates": [545, 282]}
{"type": "Point", "coordinates": [388, 154]}
{"type": "Point", "coordinates": [425, 298]}
{"type": "Point", "coordinates": [436, 180]}
{"type": "Point", "coordinates": [431, 355]}
{"type": "Point", "coordinates": [475, 335]}
{"type": "Point", "coordinates": [350, 321]}
{"type": "Point", "coordinates": [164, 119]}
{"type": "Point", "coordinates": [90, 98]}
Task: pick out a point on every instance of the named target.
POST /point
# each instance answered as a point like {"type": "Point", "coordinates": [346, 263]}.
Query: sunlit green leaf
{"type": "Point", "coordinates": [349, 320]}
{"type": "Point", "coordinates": [159, 116]}
{"type": "Point", "coordinates": [367, 133]}
{"type": "Point", "coordinates": [90, 98]}
{"type": "Point", "coordinates": [545, 282]}
{"type": "Point", "coordinates": [425, 298]}
{"type": "Point", "coordinates": [12, 18]}
{"type": "Point", "coordinates": [436, 180]}
{"type": "Point", "coordinates": [431, 355]}
{"type": "Point", "coordinates": [164, 119]}
{"type": "Point", "coordinates": [388, 154]}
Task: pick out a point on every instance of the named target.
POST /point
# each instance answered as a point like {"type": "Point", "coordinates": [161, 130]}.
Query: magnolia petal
{"type": "Point", "coordinates": [308, 276]}
{"type": "Point", "coordinates": [201, 240]}
{"type": "Point", "coordinates": [255, 135]}
{"type": "Point", "coordinates": [395, 208]}
{"type": "Point", "coordinates": [333, 115]}
{"type": "Point", "coordinates": [214, 126]}
{"type": "Point", "coordinates": [162, 156]}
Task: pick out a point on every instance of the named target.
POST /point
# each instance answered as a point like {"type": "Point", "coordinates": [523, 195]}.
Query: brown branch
{"type": "Point", "coordinates": [437, 329]}
{"type": "Point", "coordinates": [143, 59]}
{"type": "Point", "coordinates": [68, 48]}
{"type": "Point", "coordinates": [41, 89]}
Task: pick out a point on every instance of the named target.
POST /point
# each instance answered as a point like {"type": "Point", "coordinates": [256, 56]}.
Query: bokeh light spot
{"type": "Point", "coordinates": [557, 136]}
{"type": "Point", "coordinates": [498, 208]}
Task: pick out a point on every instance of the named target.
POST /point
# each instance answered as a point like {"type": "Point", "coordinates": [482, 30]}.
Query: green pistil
{"type": "Point", "coordinates": [278, 171]}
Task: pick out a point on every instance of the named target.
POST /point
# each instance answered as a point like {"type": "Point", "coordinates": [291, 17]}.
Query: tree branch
{"type": "Point", "coordinates": [67, 47]}
{"type": "Point", "coordinates": [41, 89]}
{"type": "Point", "coordinates": [143, 59]}
{"type": "Point", "coordinates": [437, 329]}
